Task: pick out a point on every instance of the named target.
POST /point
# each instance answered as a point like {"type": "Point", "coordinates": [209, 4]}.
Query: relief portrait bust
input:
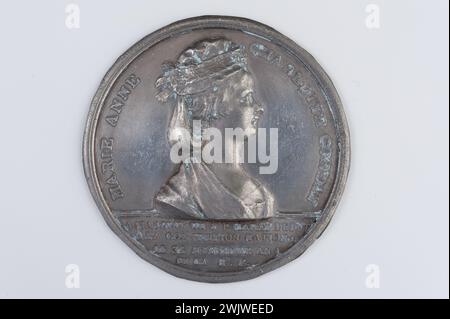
{"type": "Point", "coordinates": [210, 82]}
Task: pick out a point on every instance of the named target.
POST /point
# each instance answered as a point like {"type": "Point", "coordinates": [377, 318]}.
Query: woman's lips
{"type": "Point", "coordinates": [256, 116]}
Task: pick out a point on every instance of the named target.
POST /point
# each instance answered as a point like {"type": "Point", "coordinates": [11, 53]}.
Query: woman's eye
{"type": "Point", "coordinates": [248, 99]}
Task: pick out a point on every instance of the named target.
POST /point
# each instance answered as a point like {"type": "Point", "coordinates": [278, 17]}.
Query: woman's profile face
{"type": "Point", "coordinates": [237, 107]}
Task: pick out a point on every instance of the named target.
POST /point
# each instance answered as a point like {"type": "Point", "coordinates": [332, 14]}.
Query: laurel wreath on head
{"type": "Point", "coordinates": [198, 68]}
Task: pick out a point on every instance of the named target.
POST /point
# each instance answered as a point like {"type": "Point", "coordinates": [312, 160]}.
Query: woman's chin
{"type": "Point", "coordinates": [250, 131]}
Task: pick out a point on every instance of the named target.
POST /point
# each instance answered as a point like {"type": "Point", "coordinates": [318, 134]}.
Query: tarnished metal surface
{"type": "Point", "coordinates": [216, 222]}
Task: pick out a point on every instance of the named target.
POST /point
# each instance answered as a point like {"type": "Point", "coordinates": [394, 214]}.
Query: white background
{"type": "Point", "coordinates": [393, 82]}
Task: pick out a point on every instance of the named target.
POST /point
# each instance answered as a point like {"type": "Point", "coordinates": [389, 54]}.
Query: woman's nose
{"type": "Point", "coordinates": [258, 109]}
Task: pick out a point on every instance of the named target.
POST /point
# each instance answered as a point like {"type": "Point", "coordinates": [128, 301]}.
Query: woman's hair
{"type": "Point", "coordinates": [194, 81]}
